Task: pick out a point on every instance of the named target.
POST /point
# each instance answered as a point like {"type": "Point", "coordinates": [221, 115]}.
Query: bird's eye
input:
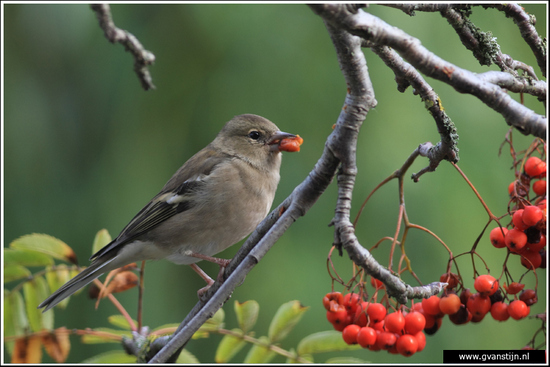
{"type": "Point", "coordinates": [255, 135]}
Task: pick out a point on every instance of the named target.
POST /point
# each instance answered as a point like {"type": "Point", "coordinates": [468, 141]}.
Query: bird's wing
{"type": "Point", "coordinates": [174, 198]}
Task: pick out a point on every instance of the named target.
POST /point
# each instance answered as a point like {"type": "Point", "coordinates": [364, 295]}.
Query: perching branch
{"type": "Point", "coordinates": [142, 57]}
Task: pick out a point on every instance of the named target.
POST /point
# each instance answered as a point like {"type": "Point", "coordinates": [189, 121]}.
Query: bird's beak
{"type": "Point", "coordinates": [276, 139]}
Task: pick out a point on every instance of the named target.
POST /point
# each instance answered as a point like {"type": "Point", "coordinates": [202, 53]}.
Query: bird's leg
{"type": "Point", "coordinates": [221, 262]}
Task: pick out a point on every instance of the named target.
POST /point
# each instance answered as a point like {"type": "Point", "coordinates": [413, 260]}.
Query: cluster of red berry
{"type": "Point", "coordinates": [527, 235]}
{"type": "Point", "coordinates": [404, 331]}
{"type": "Point", "coordinates": [371, 326]}
{"type": "Point", "coordinates": [474, 306]}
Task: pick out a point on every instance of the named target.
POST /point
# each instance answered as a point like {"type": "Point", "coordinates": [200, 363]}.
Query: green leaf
{"type": "Point", "coordinates": [229, 347]}
{"type": "Point", "coordinates": [260, 353]}
{"type": "Point", "coordinates": [247, 314]}
{"type": "Point", "coordinates": [114, 356]}
{"type": "Point", "coordinates": [45, 244]}
{"type": "Point", "coordinates": [101, 239]}
{"type": "Point", "coordinates": [103, 338]}
{"type": "Point", "coordinates": [187, 358]}
{"type": "Point", "coordinates": [345, 360]}
{"type": "Point", "coordinates": [17, 319]}
{"type": "Point", "coordinates": [30, 292]}
{"type": "Point", "coordinates": [120, 321]}
{"type": "Point", "coordinates": [324, 341]}
{"type": "Point", "coordinates": [294, 357]}
{"type": "Point", "coordinates": [42, 293]}
{"type": "Point", "coordinates": [9, 325]}
{"type": "Point", "coordinates": [15, 272]}
{"type": "Point", "coordinates": [56, 277]}
{"type": "Point", "coordinates": [285, 319]}
{"type": "Point", "coordinates": [26, 258]}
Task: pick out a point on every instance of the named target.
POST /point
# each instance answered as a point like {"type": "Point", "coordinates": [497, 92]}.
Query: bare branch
{"type": "Point", "coordinates": [375, 30]}
{"type": "Point", "coordinates": [526, 25]}
{"type": "Point", "coordinates": [142, 57]}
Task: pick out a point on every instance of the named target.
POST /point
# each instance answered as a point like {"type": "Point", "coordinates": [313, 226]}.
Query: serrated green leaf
{"type": "Point", "coordinates": [56, 277]}
{"type": "Point", "coordinates": [285, 319]}
{"type": "Point", "coordinates": [229, 346]}
{"type": "Point", "coordinates": [186, 357]}
{"type": "Point", "coordinates": [103, 338]}
{"type": "Point", "coordinates": [345, 360]}
{"type": "Point", "coordinates": [101, 239]}
{"type": "Point", "coordinates": [30, 292]}
{"type": "Point", "coordinates": [26, 258]}
{"type": "Point", "coordinates": [247, 314]}
{"type": "Point", "coordinates": [324, 341]}
{"type": "Point", "coordinates": [15, 272]}
{"type": "Point", "coordinates": [120, 321]}
{"type": "Point", "coordinates": [45, 244]}
{"type": "Point", "coordinates": [114, 356]}
{"type": "Point", "coordinates": [260, 353]}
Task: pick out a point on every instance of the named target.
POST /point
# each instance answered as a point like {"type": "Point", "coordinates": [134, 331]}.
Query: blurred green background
{"type": "Point", "coordinates": [86, 147]}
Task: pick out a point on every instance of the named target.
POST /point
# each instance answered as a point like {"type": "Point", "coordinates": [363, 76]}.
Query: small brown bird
{"type": "Point", "coordinates": [213, 201]}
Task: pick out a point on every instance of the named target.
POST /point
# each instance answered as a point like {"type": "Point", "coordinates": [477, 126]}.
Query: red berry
{"type": "Point", "coordinates": [537, 246]}
{"type": "Point", "coordinates": [414, 322]}
{"type": "Point", "coordinates": [350, 302]}
{"type": "Point", "coordinates": [515, 240]}
{"type": "Point", "coordinates": [532, 215]}
{"type": "Point", "coordinates": [486, 285]}
{"type": "Point", "coordinates": [395, 322]}
{"type": "Point", "coordinates": [518, 310]}
{"type": "Point", "coordinates": [529, 296]}
{"type": "Point", "coordinates": [539, 187]}
{"type": "Point", "coordinates": [376, 312]}
{"type": "Point", "coordinates": [450, 304]}
{"type": "Point", "coordinates": [366, 337]}
{"type": "Point", "coordinates": [497, 237]}
{"type": "Point", "coordinates": [385, 340]}
{"type": "Point", "coordinates": [531, 259]}
{"type": "Point", "coordinates": [377, 284]}
{"type": "Point", "coordinates": [535, 167]}
{"type": "Point", "coordinates": [421, 338]}
{"type": "Point", "coordinates": [406, 345]}
{"type": "Point", "coordinates": [349, 334]}
{"type": "Point", "coordinates": [361, 314]}
{"type": "Point", "coordinates": [499, 311]}
{"type": "Point", "coordinates": [517, 219]}
{"type": "Point", "coordinates": [478, 305]}
{"type": "Point", "coordinates": [431, 305]}
{"type": "Point", "coordinates": [339, 318]}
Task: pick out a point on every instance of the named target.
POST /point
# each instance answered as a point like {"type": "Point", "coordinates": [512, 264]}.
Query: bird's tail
{"type": "Point", "coordinates": [97, 268]}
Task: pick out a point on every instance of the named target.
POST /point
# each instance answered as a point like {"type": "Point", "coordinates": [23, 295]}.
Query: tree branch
{"type": "Point", "coordinates": [376, 31]}
{"type": "Point", "coordinates": [142, 57]}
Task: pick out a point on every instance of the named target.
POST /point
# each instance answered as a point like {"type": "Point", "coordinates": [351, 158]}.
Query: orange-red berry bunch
{"type": "Point", "coordinates": [527, 235]}
{"type": "Point", "coordinates": [371, 326]}
{"type": "Point", "coordinates": [474, 306]}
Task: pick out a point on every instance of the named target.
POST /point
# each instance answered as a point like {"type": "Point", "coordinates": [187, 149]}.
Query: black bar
{"type": "Point", "coordinates": [494, 356]}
